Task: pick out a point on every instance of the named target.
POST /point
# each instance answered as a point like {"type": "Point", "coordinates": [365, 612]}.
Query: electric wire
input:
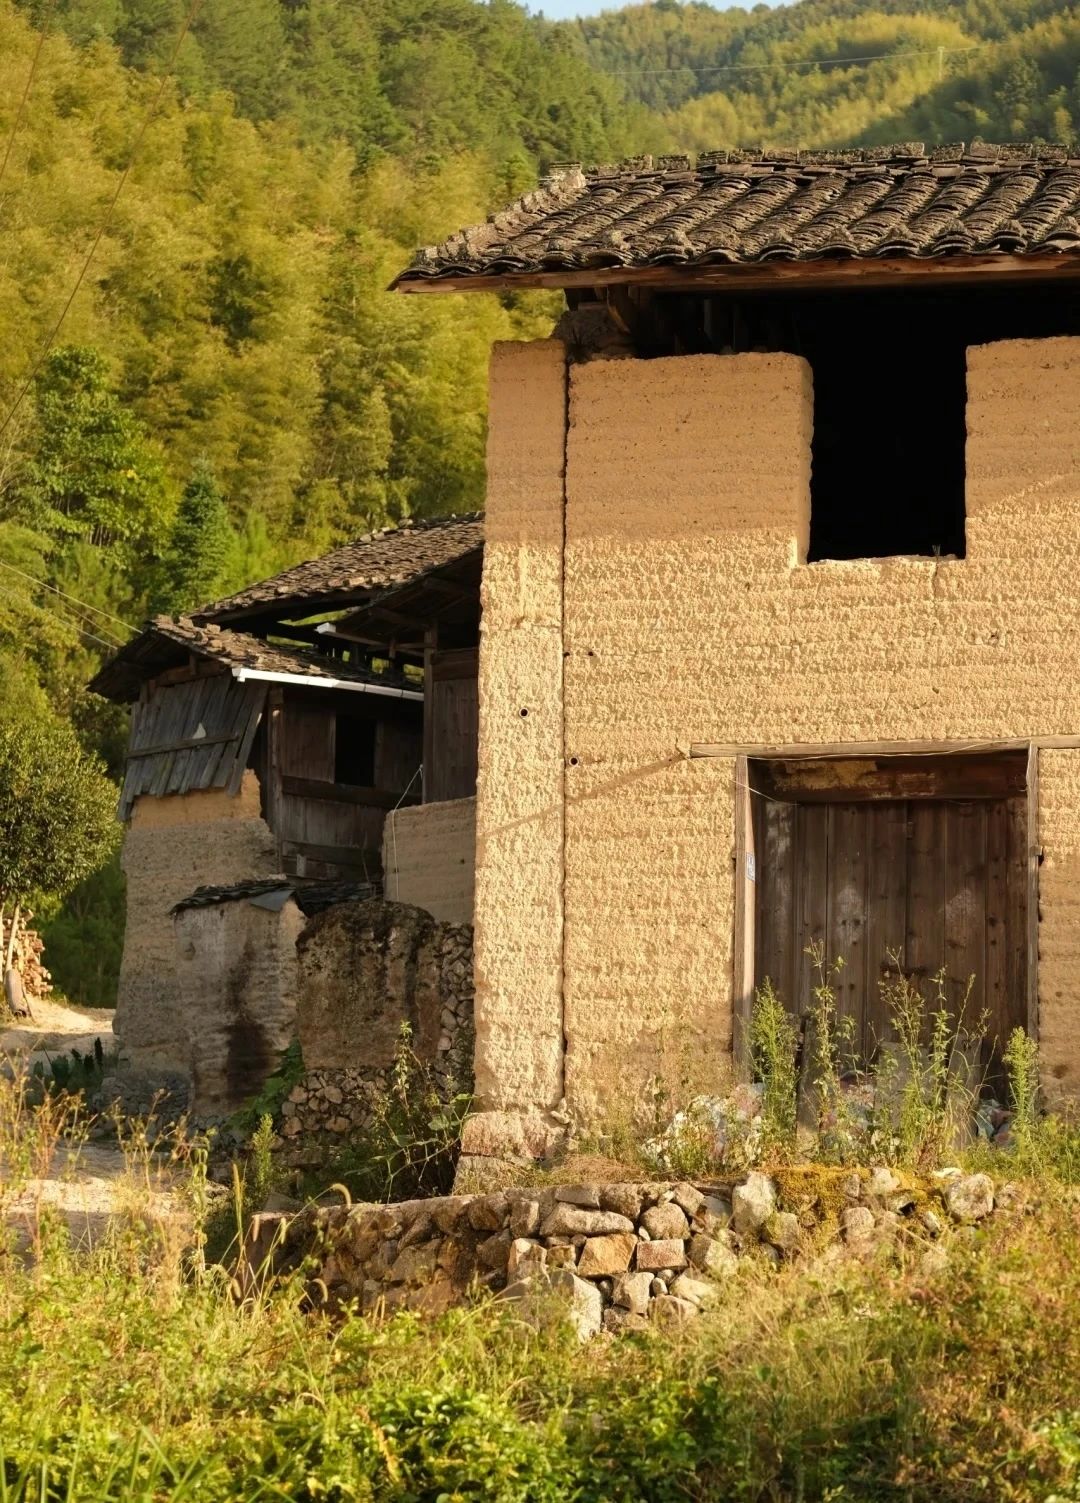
{"type": "Point", "coordinates": [64, 620]}
{"type": "Point", "coordinates": [29, 84]}
{"type": "Point", "coordinates": [74, 599]}
{"type": "Point", "coordinates": [783, 67]}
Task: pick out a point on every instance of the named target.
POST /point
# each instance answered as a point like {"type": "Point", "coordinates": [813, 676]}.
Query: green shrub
{"type": "Point", "coordinates": [774, 1043]}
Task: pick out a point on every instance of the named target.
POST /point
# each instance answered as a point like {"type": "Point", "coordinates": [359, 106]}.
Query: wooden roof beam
{"type": "Point", "coordinates": [770, 275]}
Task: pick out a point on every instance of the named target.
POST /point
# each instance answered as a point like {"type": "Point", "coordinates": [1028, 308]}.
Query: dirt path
{"type": "Point", "coordinates": [56, 1028]}
{"type": "Point", "coordinates": [88, 1186]}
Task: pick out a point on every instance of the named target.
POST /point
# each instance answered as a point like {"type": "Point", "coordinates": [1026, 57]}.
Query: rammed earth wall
{"type": "Point", "coordinates": [644, 588]}
{"type": "Point", "coordinates": [171, 846]}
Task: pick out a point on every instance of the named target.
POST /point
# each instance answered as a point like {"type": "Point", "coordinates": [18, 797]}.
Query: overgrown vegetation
{"type": "Point", "coordinates": [128, 1372]}
{"type": "Point", "coordinates": [409, 1144]}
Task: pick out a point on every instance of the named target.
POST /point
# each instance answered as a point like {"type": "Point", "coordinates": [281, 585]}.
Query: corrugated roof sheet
{"type": "Point", "coordinates": [739, 208]}
{"type": "Point", "coordinates": [155, 649]}
{"type": "Point", "coordinates": [378, 561]}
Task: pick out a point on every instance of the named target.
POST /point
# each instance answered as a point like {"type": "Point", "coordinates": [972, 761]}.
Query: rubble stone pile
{"type": "Point", "coordinates": [365, 972]}
{"type": "Point", "coordinates": [621, 1256]}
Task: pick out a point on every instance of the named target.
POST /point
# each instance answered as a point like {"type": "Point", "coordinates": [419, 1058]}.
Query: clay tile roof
{"type": "Point", "coordinates": [739, 208]}
{"type": "Point", "coordinates": [311, 897]}
{"type": "Point", "coordinates": [165, 640]}
{"type": "Point", "coordinates": [379, 561]}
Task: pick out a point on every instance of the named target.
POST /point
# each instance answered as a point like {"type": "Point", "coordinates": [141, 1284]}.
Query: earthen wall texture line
{"type": "Point", "coordinates": [429, 858]}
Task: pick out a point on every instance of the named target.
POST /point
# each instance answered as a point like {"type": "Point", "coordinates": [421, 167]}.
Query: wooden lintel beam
{"type": "Point", "coordinates": [805, 751]}
{"type": "Point", "coordinates": [770, 275]}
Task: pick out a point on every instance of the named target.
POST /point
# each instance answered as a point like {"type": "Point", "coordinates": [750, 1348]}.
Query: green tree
{"type": "Point", "coordinates": [94, 472]}
{"type": "Point", "coordinates": [195, 563]}
{"type": "Point", "coordinates": [57, 809]}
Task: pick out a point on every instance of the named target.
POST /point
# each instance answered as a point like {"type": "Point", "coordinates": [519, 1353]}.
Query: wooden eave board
{"type": "Point", "coordinates": [770, 275]}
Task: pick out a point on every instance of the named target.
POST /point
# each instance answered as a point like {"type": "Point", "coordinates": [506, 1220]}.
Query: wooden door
{"type": "Point", "coordinates": [937, 884]}
{"type": "Point", "coordinates": [452, 726]}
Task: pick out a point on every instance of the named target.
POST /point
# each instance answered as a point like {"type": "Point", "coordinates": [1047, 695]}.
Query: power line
{"type": "Point", "coordinates": [196, 6]}
{"type": "Point", "coordinates": [82, 630]}
{"type": "Point", "coordinates": [813, 62]}
{"type": "Point", "coordinates": [72, 598]}
{"type": "Point", "coordinates": [26, 91]}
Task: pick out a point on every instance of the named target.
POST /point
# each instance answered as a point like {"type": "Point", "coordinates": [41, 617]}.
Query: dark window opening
{"type": "Point", "coordinates": [354, 751]}
{"type": "Point", "coordinates": [887, 456]}
{"type": "Point", "coordinates": [890, 396]}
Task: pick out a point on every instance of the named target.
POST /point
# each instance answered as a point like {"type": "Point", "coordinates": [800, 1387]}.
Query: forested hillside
{"type": "Point", "coordinates": [833, 72]}
{"type": "Point", "coordinates": [203, 377]}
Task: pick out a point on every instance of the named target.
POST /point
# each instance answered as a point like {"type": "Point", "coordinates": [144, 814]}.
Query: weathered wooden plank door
{"type": "Point", "coordinates": [452, 728]}
{"type": "Point", "coordinates": [937, 885]}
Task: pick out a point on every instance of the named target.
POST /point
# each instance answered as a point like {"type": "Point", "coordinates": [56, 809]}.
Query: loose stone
{"type": "Point", "coordinates": [698, 1291]}
{"type": "Point", "coordinates": [625, 1200]}
{"type": "Point", "coordinates": [604, 1256]}
{"type": "Point", "coordinates": [631, 1291]}
{"type": "Point", "coordinates": [970, 1197]}
{"type": "Point", "coordinates": [656, 1256]}
{"type": "Point", "coordinates": [620, 1321]}
{"type": "Point", "coordinates": [712, 1255]}
{"type": "Point", "coordinates": [665, 1222]}
{"type": "Point", "coordinates": [858, 1223]}
{"type": "Point", "coordinates": [668, 1310]}
{"type": "Point", "coordinates": [587, 1196]}
{"type": "Point", "coordinates": [568, 1219]}
{"type": "Point", "coordinates": [782, 1231]}
{"type": "Point", "coordinates": [525, 1218]}
{"type": "Point", "coordinates": [752, 1203]}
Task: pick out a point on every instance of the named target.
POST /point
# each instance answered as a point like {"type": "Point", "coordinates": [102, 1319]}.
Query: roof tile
{"type": "Point", "coordinates": [741, 208]}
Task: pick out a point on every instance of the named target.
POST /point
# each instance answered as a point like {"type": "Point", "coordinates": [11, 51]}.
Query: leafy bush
{"type": "Point", "coordinates": [774, 1043]}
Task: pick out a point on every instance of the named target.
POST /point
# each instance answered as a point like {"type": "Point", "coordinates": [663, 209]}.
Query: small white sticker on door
{"type": "Point", "coordinates": [751, 874]}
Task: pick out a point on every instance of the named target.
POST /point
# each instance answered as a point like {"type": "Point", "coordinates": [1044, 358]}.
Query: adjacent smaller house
{"type": "Point", "coordinates": [273, 732]}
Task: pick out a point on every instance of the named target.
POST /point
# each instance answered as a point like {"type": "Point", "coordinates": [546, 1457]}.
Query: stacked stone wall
{"type": "Point", "coordinates": [623, 1255]}
{"type": "Point", "coordinates": [366, 971]}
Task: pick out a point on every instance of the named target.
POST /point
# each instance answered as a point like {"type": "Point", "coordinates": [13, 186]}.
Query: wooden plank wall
{"type": "Point", "coordinates": [191, 736]}
{"type": "Point", "coordinates": [321, 835]}
{"type": "Point", "coordinates": [453, 725]}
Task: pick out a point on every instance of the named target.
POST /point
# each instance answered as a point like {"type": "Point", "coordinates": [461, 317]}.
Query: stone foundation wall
{"type": "Point", "coordinates": [366, 971]}
{"type": "Point", "coordinates": [623, 1255]}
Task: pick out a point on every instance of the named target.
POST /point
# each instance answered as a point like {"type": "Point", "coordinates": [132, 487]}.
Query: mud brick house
{"type": "Point", "coordinates": [781, 597]}
{"type": "Point", "coordinates": [295, 728]}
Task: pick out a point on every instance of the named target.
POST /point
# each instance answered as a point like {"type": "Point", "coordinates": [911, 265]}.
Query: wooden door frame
{"type": "Point", "coordinates": [745, 877]}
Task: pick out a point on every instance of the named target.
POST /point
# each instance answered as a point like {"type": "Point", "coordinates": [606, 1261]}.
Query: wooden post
{"type": "Point", "coordinates": [745, 904]}
{"type": "Point", "coordinates": [1034, 850]}
{"type": "Point", "coordinates": [431, 644]}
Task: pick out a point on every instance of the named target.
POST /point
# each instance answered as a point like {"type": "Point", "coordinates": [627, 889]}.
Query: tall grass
{"type": "Point", "coordinates": [127, 1372]}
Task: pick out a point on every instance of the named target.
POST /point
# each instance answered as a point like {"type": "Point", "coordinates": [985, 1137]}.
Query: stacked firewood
{"type": "Point", "coordinates": [26, 956]}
